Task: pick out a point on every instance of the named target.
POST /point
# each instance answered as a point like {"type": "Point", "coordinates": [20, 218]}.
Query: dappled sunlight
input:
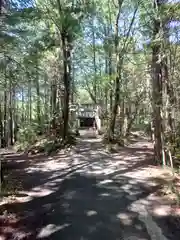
{"type": "Point", "coordinates": [90, 105]}
{"type": "Point", "coordinates": [50, 229]}
{"type": "Point", "coordinates": [107, 181]}
{"type": "Point", "coordinates": [36, 169]}
{"type": "Point", "coordinates": [131, 158]}
{"type": "Point", "coordinates": [91, 213]}
{"type": "Point", "coordinates": [125, 218]}
{"type": "Point", "coordinates": [104, 194]}
{"type": "Point", "coordinates": [163, 210]}
{"type": "Point", "coordinates": [91, 194]}
{"type": "Point", "coordinates": [40, 192]}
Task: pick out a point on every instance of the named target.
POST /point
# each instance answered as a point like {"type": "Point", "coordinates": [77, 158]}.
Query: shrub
{"type": "Point", "coordinates": [26, 136]}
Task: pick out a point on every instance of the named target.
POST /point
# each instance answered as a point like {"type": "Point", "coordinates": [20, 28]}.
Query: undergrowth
{"type": "Point", "coordinates": [33, 139]}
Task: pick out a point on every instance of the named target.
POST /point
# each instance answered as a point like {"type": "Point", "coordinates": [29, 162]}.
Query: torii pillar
{"type": "Point", "coordinates": [98, 119]}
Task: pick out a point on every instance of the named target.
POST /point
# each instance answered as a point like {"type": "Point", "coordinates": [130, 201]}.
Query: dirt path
{"type": "Point", "coordinates": [88, 194]}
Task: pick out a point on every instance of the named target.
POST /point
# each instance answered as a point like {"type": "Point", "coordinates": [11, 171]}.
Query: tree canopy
{"type": "Point", "coordinates": [122, 55]}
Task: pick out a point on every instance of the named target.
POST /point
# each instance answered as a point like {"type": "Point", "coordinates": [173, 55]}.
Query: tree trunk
{"type": "Point", "coordinates": [1, 127]}
{"type": "Point", "coordinates": [157, 88]}
{"type": "Point", "coordinates": [11, 132]}
{"type": "Point", "coordinates": [5, 112]}
{"type": "Point", "coordinates": [22, 106]}
{"type": "Point", "coordinates": [115, 107]}
{"type": "Point", "coordinates": [94, 62]}
{"type": "Point", "coordinates": [38, 101]}
{"type": "Point", "coordinates": [73, 85]}
{"type": "Point", "coordinates": [46, 100]}
{"type": "Point", "coordinates": [131, 119]}
{"type": "Point", "coordinates": [119, 61]}
{"type": "Point", "coordinates": [66, 46]}
{"type": "Point", "coordinates": [16, 127]}
{"type": "Point", "coordinates": [29, 99]}
{"type": "Point", "coordinates": [170, 99]}
{"type": "Point", "coordinates": [53, 103]}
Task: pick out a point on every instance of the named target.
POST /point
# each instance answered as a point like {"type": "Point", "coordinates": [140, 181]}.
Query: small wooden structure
{"type": "Point", "coordinates": [86, 115]}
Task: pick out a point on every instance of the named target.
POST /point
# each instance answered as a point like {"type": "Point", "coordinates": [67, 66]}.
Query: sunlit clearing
{"type": "Point", "coordinates": [39, 192]}
{"type": "Point", "coordinates": [91, 213]}
{"type": "Point", "coordinates": [163, 210]}
{"type": "Point", "coordinates": [105, 182]}
{"type": "Point", "coordinates": [96, 167]}
{"type": "Point", "coordinates": [104, 194]}
{"type": "Point", "coordinates": [109, 170]}
{"type": "Point", "coordinates": [24, 198]}
{"type": "Point", "coordinates": [97, 172]}
{"type": "Point", "coordinates": [125, 218]}
{"type": "Point", "coordinates": [131, 158]}
{"type": "Point", "coordinates": [127, 187]}
{"type": "Point", "coordinates": [50, 229]}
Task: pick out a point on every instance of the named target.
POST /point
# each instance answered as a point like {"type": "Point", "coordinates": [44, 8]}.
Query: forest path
{"type": "Point", "coordinates": [88, 194]}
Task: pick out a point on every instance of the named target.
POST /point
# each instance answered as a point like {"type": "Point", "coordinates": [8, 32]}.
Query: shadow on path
{"type": "Point", "coordinates": [83, 196]}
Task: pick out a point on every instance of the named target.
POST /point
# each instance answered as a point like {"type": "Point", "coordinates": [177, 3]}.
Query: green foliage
{"type": "Point", "coordinates": [27, 135]}
{"type": "Point", "coordinates": [25, 14]}
{"type": "Point", "coordinates": [45, 145]}
{"type": "Point", "coordinates": [115, 140]}
{"type": "Point", "coordinates": [83, 96]}
{"type": "Point", "coordinates": [32, 57]}
{"type": "Point", "coordinates": [32, 138]}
